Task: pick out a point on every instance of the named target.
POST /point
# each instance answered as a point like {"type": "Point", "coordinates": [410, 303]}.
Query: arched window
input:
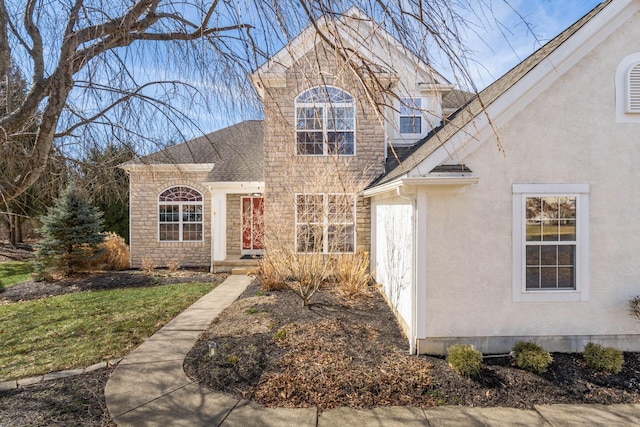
{"type": "Point", "coordinates": [180, 215]}
{"type": "Point", "coordinates": [325, 122]}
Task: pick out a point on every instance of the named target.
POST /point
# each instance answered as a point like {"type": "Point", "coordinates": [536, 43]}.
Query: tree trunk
{"type": "Point", "coordinates": [12, 230]}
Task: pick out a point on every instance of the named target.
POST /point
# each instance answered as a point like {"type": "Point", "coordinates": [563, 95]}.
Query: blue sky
{"type": "Point", "coordinates": [500, 49]}
{"type": "Point", "coordinates": [495, 48]}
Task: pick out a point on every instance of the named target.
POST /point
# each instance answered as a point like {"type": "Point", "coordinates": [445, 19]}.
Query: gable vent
{"type": "Point", "coordinates": [634, 90]}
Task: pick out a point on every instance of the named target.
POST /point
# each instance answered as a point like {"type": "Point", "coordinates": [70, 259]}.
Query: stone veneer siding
{"type": "Point", "coordinates": [146, 186]}
{"type": "Point", "coordinates": [287, 174]}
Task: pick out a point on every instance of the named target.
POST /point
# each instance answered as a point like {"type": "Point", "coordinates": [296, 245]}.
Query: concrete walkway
{"type": "Point", "coordinates": [149, 388]}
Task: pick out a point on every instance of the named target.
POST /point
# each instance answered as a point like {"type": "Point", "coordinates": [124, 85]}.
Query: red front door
{"type": "Point", "coordinates": [252, 224]}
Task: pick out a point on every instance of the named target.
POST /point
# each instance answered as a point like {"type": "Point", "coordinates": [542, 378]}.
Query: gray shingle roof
{"type": "Point", "coordinates": [235, 150]}
{"type": "Point", "coordinates": [485, 98]}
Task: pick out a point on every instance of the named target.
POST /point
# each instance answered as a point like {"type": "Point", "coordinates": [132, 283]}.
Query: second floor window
{"type": "Point", "coordinates": [325, 122]}
{"type": "Point", "coordinates": [410, 115]}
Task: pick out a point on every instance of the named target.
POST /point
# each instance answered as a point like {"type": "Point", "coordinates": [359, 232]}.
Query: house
{"type": "Point", "coordinates": [514, 218]}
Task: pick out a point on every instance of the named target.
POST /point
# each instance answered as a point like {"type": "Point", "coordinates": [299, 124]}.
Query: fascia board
{"type": "Point", "coordinates": [233, 187]}
{"type": "Point", "coordinates": [168, 167]}
{"type": "Point", "coordinates": [515, 99]}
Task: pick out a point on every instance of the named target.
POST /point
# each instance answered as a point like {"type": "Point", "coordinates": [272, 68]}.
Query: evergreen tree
{"type": "Point", "coordinates": [71, 232]}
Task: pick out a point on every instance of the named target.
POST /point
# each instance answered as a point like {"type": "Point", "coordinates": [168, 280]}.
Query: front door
{"type": "Point", "coordinates": [252, 225]}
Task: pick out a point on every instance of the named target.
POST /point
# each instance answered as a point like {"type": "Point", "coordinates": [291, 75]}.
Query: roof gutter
{"type": "Point", "coordinates": [440, 180]}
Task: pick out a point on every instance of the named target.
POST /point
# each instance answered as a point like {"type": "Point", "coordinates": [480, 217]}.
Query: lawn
{"type": "Point", "coordinates": [13, 272]}
{"type": "Point", "coordinates": [79, 329]}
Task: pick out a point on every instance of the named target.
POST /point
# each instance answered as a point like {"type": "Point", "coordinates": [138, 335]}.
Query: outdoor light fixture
{"type": "Point", "coordinates": [212, 349]}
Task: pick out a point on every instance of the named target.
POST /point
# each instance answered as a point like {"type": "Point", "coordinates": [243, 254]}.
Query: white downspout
{"type": "Point", "coordinates": [414, 268]}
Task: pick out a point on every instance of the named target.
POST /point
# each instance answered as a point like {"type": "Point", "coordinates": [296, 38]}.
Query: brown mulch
{"type": "Point", "coordinates": [340, 352]}
{"type": "Point", "coordinates": [72, 401]}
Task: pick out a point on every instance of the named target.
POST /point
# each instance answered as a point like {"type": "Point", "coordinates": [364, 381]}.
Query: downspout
{"type": "Point", "coordinates": [414, 269]}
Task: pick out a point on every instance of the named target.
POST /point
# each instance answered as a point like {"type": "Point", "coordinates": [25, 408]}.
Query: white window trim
{"type": "Point", "coordinates": [325, 146]}
{"type": "Point", "coordinates": [325, 221]}
{"type": "Point", "coordinates": [180, 221]}
{"type": "Point", "coordinates": [623, 112]}
{"type": "Point", "coordinates": [419, 114]}
{"type": "Point", "coordinates": [520, 193]}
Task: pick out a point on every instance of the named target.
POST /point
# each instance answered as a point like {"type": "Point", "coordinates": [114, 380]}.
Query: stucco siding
{"type": "Point", "coordinates": [393, 248]}
{"type": "Point", "coordinates": [567, 135]}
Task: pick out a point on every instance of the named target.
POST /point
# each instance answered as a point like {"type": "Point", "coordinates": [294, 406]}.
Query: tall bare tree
{"type": "Point", "coordinates": [127, 66]}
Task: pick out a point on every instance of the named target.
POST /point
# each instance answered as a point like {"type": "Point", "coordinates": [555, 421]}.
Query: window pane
{"type": "Point", "coordinates": [567, 255]}
{"type": "Point", "coordinates": [548, 255]}
{"type": "Point", "coordinates": [341, 238]}
{"type": "Point", "coordinates": [533, 278]}
{"type": "Point", "coordinates": [410, 106]}
{"type": "Point", "coordinates": [550, 231]}
{"type": "Point", "coordinates": [309, 238]}
{"type": "Point", "coordinates": [192, 232]}
{"type": "Point", "coordinates": [309, 208]}
{"type": "Point", "coordinates": [568, 230]}
{"type": "Point", "coordinates": [180, 194]}
{"type": "Point", "coordinates": [534, 231]}
{"type": "Point", "coordinates": [192, 213]}
{"type": "Point", "coordinates": [533, 255]}
{"type": "Point", "coordinates": [309, 118]}
{"type": "Point", "coordinates": [310, 143]}
{"type": "Point", "coordinates": [169, 213]}
{"type": "Point", "coordinates": [169, 232]}
{"type": "Point", "coordinates": [566, 277]}
{"type": "Point", "coordinates": [340, 208]}
{"type": "Point", "coordinates": [548, 277]}
{"type": "Point", "coordinates": [410, 124]}
{"type": "Point", "coordinates": [340, 143]}
{"type": "Point", "coordinates": [340, 118]}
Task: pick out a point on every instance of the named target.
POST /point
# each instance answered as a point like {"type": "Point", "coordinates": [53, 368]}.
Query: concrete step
{"type": "Point", "coordinates": [244, 270]}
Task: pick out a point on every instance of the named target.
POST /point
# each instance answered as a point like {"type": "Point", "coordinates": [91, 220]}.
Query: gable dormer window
{"type": "Point", "coordinates": [410, 117]}
{"type": "Point", "coordinates": [325, 122]}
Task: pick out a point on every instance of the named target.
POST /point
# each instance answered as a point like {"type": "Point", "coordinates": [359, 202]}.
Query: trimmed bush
{"type": "Point", "coordinates": [531, 357]}
{"type": "Point", "coordinates": [603, 359]}
{"type": "Point", "coordinates": [465, 359]}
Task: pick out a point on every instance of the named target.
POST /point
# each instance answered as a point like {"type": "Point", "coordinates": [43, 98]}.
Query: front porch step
{"type": "Point", "coordinates": [243, 271]}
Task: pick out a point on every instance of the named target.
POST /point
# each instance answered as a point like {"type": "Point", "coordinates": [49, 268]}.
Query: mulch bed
{"type": "Point", "coordinates": [342, 352]}
{"type": "Point", "coordinates": [73, 401]}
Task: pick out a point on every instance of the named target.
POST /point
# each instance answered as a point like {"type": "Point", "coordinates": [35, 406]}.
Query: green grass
{"type": "Point", "coordinates": [77, 330]}
{"type": "Point", "coordinates": [13, 272]}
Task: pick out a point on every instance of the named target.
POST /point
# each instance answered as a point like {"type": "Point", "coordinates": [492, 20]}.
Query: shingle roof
{"type": "Point", "coordinates": [486, 97]}
{"type": "Point", "coordinates": [235, 150]}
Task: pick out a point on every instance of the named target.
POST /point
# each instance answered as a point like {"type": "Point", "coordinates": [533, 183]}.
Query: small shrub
{"type": "Point", "coordinates": [173, 265]}
{"type": "Point", "coordinates": [147, 266]}
{"type": "Point", "coordinates": [352, 273]}
{"type": "Point", "coordinates": [603, 359]}
{"type": "Point", "coordinates": [531, 357]}
{"type": "Point", "coordinates": [634, 307]}
{"type": "Point", "coordinates": [114, 253]}
{"type": "Point", "coordinates": [465, 359]}
{"type": "Point", "coordinates": [271, 274]}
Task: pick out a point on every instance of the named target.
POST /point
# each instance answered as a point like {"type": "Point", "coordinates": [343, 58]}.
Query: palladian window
{"type": "Point", "coordinates": [180, 217]}
{"type": "Point", "coordinates": [325, 122]}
